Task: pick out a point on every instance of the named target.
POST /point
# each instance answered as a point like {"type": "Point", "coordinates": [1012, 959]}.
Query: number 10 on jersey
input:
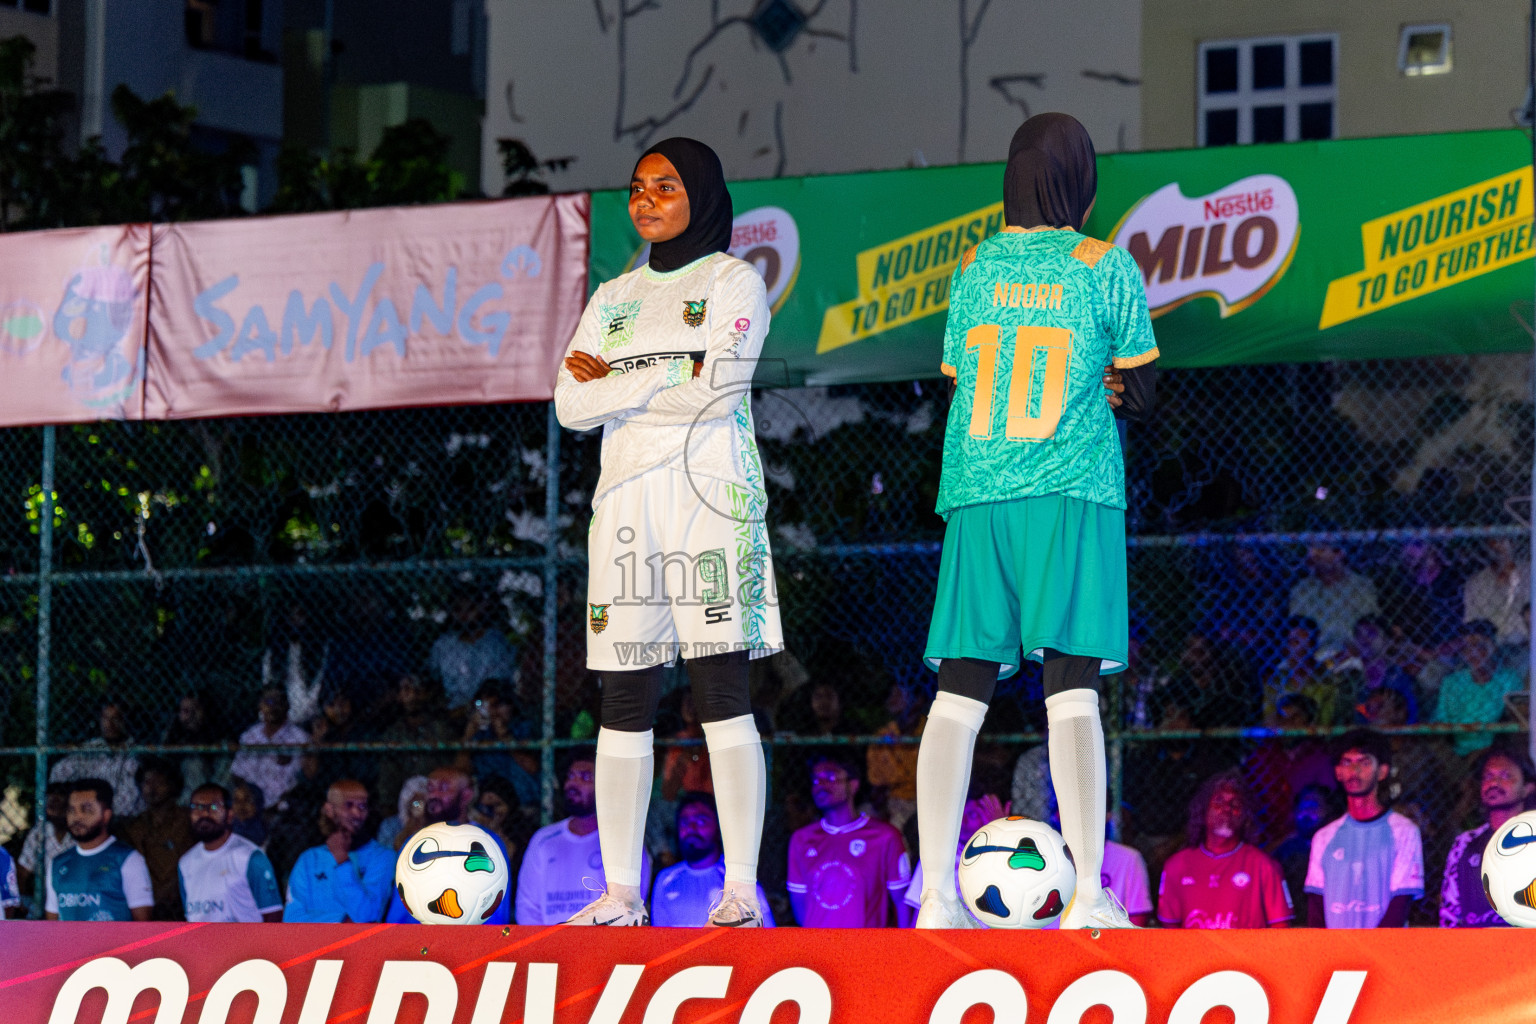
{"type": "Point", "coordinates": [1056, 344]}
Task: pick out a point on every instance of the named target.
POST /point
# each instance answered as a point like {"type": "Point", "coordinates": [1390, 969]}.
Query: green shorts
{"type": "Point", "coordinates": [1028, 574]}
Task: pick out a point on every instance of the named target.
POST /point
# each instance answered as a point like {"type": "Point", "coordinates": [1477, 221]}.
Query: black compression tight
{"type": "Point", "coordinates": [719, 683]}
{"type": "Point", "coordinates": [977, 679]}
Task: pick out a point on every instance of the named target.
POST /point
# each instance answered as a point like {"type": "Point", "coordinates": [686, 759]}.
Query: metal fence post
{"type": "Point", "coordinates": [551, 610]}
{"type": "Point", "coordinates": [44, 635]}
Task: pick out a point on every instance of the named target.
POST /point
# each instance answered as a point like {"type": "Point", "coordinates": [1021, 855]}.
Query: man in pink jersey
{"type": "Point", "coordinates": [846, 870]}
{"type": "Point", "coordinates": [1221, 880]}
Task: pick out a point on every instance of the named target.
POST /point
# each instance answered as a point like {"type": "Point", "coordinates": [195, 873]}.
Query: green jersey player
{"type": "Point", "coordinates": [1033, 491]}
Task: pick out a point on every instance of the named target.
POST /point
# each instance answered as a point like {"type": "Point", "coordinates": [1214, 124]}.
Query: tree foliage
{"type": "Point", "coordinates": [408, 166]}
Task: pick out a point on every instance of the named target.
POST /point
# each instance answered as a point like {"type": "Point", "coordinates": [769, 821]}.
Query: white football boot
{"type": "Point", "coordinates": [610, 910]}
{"type": "Point", "coordinates": [735, 909]}
{"type": "Point", "coordinates": [1104, 912]}
{"type": "Point", "coordinates": [943, 911]}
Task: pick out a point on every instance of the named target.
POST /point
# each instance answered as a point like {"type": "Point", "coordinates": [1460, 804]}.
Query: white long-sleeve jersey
{"type": "Point", "coordinates": [651, 327]}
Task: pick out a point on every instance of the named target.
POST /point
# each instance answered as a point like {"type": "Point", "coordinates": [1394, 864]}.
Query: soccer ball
{"type": "Point", "coordinates": [451, 874]}
{"type": "Point", "coordinates": [1015, 872]}
{"type": "Point", "coordinates": [1509, 870]}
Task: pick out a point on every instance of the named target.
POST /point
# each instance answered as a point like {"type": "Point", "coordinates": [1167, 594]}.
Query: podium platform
{"type": "Point", "coordinates": [53, 973]}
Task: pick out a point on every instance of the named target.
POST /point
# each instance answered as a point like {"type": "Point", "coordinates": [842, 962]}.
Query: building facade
{"type": "Point", "coordinates": [1217, 73]}
{"type": "Point", "coordinates": [792, 87]}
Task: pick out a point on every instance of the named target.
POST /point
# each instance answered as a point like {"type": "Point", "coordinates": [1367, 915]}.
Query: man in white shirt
{"type": "Point", "coordinates": [563, 858]}
{"type": "Point", "coordinates": [473, 652]}
{"type": "Point", "coordinates": [1499, 592]}
{"type": "Point", "coordinates": [1333, 596]}
{"type": "Point", "coordinates": [274, 774]}
{"type": "Point", "coordinates": [225, 877]}
{"type": "Point", "coordinates": [106, 760]}
{"type": "Point", "coordinates": [685, 893]}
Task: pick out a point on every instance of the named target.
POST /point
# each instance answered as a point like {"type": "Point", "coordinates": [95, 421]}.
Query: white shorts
{"type": "Point", "coordinates": [679, 565]}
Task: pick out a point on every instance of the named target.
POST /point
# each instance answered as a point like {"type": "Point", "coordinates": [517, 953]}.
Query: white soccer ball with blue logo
{"type": "Point", "coordinates": [451, 874]}
{"type": "Point", "coordinates": [1015, 872]}
{"type": "Point", "coordinates": [1509, 870]}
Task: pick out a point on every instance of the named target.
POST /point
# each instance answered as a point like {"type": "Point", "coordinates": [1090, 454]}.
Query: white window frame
{"type": "Point", "coordinates": [1443, 67]}
{"type": "Point", "coordinates": [1246, 98]}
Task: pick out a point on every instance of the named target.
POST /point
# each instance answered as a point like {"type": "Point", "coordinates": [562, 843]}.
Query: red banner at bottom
{"type": "Point", "coordinates": [380, 974]}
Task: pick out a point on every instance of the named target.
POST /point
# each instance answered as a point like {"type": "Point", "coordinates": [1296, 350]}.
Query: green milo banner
{"type": "Point", "coordinates": [1362, 249]}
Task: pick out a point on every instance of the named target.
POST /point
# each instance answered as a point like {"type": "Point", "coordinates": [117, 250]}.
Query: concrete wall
{"type": "Point", "coordinates": [867, 84]}
{"type": "Point", "coordinates": [1489, 51]}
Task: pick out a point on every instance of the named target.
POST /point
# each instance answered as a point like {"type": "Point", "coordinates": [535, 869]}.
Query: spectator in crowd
{"type": "Point", "coordinates": [1296, 671]}
{"type": "Point", "coordinates": [10, 888]}
{"type": "Point", "coordinates": [368, 657]}
{"type": "Point", "coordinates": [421, 721]}
{"type": "Point", "coordinates": [1515, 655]}
{"type": "Point", "coordinates": [1032, 794]}
{"type": "Point", "coordinates": [274, 774]}
{"type": "Point", "coordinates": [410, 813]}
{"type": "Point", "coordinates": [473, 652]}
{"type": "Point", "coordinates": [1278, 768]}
{"type": "Point", "coordinates": [497, 809]}
{"type": "Point", "coordinates": [450, 792]}
{"type": "Point", "coordinates": [350, 877]}
{"type": "Point", "coordinates": [1423, 595]}
{"type": "Point", "coordinates": [1422, 766]}
{"type": "Point", "coordinates": [1209, 686]}
{"type": "Point", "coordinates": [552, 883]}
{"type": "Point", "coordinates": [1499, 592]}
{"type": "Point", "coordinates": [107, 759]}
{"type": "Point", "coordinates": [1333, 596]}
{"type": "Point", "coordinates": [686, 769]}
{"type": "Point", "coordinates": [340, 722]}
{"type": "Point", "coordinates": [48, 838]}
{"type": "Point", "coordinates": [296, 662]}
{"type": "Point", "coordinates": [1158, 770]}
{"type": "Point", "coordinates": [1506, 782]}
{"type": "Point", "coordinates": [1474, 693]}
{"type": "Point", "coordinates": [99, 878]}
{"type": "Point", "coordinates": [248, 816]}
{"type": "Point", "coordinates": [1313, 806]}
{"type": "Point", "coordinates": [818, 712]}
{"type": "Point", "coordinates": [1221, 879]}
{"type": "Point", "coordinates": [225, 878]}
{"type": "Point", "coordinates": [493, 718]}
{"type": "Point", "coordinates": [1245, 599]}
{"type": "Point", "coordinates": [686, 892]}
{"type": "Point", "coordinates": [196, 723]}
{"type": "Point", "coordinates": [162, 833]}
{"type": "Point", "coordinates": [774, 680]}
{"type": "Point", "coordinates": [846, 871]}
{"type": "Point", "coordinates": [892, 767]}
{"type": "Point", "coordinates": [1367, 867]}
{"type": "Point", "coordinates": [1378, 657]}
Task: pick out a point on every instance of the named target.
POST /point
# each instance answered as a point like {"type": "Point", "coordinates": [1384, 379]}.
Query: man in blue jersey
{"type": "Point", "coordinates": [686, 892]}
{"type": "Point", "coordinates": [351, 876]}
{"type": "Point", "coordinates": [1033, 489]}
{"type": "Point", "coordinates": [10, 892]}
{"type": "Point", "coordinates": [225, 878]}
{"type": "Point", "coordinates": [99, 878]}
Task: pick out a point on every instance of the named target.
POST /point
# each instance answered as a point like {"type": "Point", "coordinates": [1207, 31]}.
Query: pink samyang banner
{"type": "Point", "coordinates": [406, 306]}
{"type": "Point", "coordinates": [73, 309]}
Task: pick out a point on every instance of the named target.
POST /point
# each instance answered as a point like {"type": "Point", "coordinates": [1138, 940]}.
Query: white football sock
{"type": "Point", "coordinates": [943, 776]}
{"type": "Point", "coordinates": [623, 773]}
{"type": "Point", "coordinates": [741, 794]}
{"type": "Point", "coordinates": [1076, 747]}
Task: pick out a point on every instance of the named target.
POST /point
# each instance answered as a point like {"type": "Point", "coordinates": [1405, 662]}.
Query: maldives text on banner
{"type": "Point", "coordinates": [72, 315]}
{"type": "Point", "coordinates": [425, 305]}
{"type": "Point", "coordinates": [1353, 249]}
{"type": "Point", "coordinates": [380, 974]}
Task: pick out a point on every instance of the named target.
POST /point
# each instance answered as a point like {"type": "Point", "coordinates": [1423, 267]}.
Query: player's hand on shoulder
{"type": "Point", "coordinates": [1114, 385]}
{"type": "Point", "coordinates": [585, 367]}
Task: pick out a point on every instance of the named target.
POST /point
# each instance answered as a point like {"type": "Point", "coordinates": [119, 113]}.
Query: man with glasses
{"type": "Point", "coordinates": [562, 858]}
{"type": "Point", "coordinates": [225, 877]}
{"type": "Point", "coordinates": [349, 878]}
{"type": "Point", "coordinates": [846, 871]}
{"type": "Point", "coordinates": [450, 793]}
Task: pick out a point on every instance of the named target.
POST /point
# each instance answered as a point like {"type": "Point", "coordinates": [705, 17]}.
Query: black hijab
{"type": "Point", "coordinates": [1051, 177]}
{"type": "Point", "coordinates": [709, 204]}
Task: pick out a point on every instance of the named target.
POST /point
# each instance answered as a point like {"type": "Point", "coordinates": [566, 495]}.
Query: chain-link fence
{"type": "Point", "coordinates": [1306, 544]}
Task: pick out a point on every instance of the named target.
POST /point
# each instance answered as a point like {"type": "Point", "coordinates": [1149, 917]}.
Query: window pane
{"type": "Point", "coordinates": [1317, 62]}
{"type": "Point", "coordinates": [1316, 121]}
{"type": "Point", "coordinates": [1268, 124]}
{"type": "Point", "coordinates": [1221, 70]}
{"type": "Point", "coordinates": [1221, 127]}
{"type": "Point", "coordinates": [1269, 66]}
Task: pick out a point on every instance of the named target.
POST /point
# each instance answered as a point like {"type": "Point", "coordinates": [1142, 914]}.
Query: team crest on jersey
{"type": "Point", "coordinates": [618, 324]}
{"type": "Point", "coordinates": [599, 617]}
{"type": "Point", "coordinates": [693, 312]}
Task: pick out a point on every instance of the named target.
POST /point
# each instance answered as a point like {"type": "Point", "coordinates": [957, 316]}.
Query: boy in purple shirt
{"type": "Point", "coordinates": [846, 871]}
